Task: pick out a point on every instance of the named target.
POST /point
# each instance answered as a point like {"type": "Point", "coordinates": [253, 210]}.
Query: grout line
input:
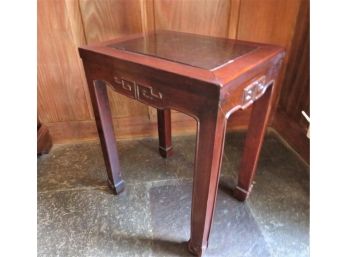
{"type": "Point", "coordinates": [145, 184]}
{"type": "Point", "coordinates": [265, 237]}
{"type": "Point", "coordinates": [86, 188]}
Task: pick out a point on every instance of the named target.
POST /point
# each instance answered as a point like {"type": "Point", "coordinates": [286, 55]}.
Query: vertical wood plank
{"type": "Point", "coordinates": [78, 32]}
{"type": "Point", "coordinates": [208, 17]}
{"type": "Point", "coordinates": [75, 19]}
{"type": "Point", "coordinates": [234, 19]}
{"type": "Point", "coordinates": [269, 21]}
{"type": "Point", "coordinates": [147, 15]}
{"type": "Point", "coordinates": [61, 95]}
{"type": "Point", "coordinates": [294, 97]}
{"type": "Point", "coordinates": [107, 19]}
{"type": "Point", "coordinates": [295, 93]}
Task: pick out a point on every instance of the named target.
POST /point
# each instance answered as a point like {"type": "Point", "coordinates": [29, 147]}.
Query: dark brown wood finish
{"type": "Point", "coordinates": [102, 113]}
{"type": "Point", "coordinates": [187, 81]}
{"type": "Point", "coordinates": [209, 148]}
{"type": "Point", "coordinates": [255, 134]}
{"type": "Point", "coordinates": [164, 133]}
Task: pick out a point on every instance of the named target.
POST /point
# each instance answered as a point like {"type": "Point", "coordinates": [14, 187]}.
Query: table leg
{"type": "Point", "coordinates": [164, 132]}
{"type": "Point", "coordinates": [103, 118]}
{"type": "Point", "coordinates": [209, 151]}
{"type": "Point", "coordinates": [253, 143]}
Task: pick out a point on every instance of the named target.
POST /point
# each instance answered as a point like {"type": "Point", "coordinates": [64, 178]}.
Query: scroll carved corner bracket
{"type": "Point", "coordinates": [251, 94]}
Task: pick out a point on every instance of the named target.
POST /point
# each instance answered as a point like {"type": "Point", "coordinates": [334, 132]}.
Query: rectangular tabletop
{"type": "Point", "coordinates": [215, 60]}
{"type": "Point", "coordinates": [194, 50]}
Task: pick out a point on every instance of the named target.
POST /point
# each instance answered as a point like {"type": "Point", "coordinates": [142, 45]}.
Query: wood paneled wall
{"type": "Point", "coordinates": [294, 97]}
{"type": "Point", "coordinates": [63, 25]}
{"type": "Point", "coordinates": [61, 84]}
{"type": "Point", "coordinates": [201, 17]}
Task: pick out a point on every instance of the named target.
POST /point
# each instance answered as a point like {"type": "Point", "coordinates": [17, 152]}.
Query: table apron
{"type": "Point", "coordinates": [246, 89]}
{"type": "Point", "coordinates": [157, 89]}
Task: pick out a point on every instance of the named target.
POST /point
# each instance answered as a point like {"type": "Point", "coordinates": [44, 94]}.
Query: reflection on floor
{"type": "Point", "coordinates": [79, 216]}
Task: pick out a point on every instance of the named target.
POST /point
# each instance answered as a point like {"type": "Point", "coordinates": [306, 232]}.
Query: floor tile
{"type": "Point", "coordinates": [94, 223]}
{"type": "Point", "coordinates": [280, 204]}
{"type": "Point", "coordinates": [71, 166]}
{"type": "Point", "coordinates": [79, 216]}
{"type": "Point", "coordinates": [234, 231]}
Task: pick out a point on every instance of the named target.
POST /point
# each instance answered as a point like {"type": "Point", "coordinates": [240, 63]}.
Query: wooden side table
{"type": "Point", "coordinates": [205, 77]}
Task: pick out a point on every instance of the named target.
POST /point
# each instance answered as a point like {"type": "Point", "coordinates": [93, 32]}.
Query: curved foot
{"type": "Point", "coordinates": [118, 188]}
{"type": "Point", "coordinates": [240, 194]}
{"type": "Point", "coordinates": [166, 152]}
{"type": "Point", "coordinates": [197, 251]}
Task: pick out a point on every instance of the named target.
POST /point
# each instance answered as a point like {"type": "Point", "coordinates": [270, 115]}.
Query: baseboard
{"type": "Point", "coordinates": [292, 133]}
{"type": "Point", "coordinates": [44, 141]}
{"type": "Point", "coordinates": [133, 128]}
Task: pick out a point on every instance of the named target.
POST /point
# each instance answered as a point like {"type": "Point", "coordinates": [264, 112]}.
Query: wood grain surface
{"type": "Point", "coordinates": [107, 19]}
{"type": "Point", "coordinates": [269, 21]}
{"type": "Point", "coordinates": [234, 18]}
{"type": "Point", "coordinates": [294, 97]}
{"type": "Point", "coordinates": [61, 94]}
{"type": "Point", "coordinates": [295, 92]}
{"type": "Point", "coordinates": [104, 20]}
{"type": "Point", "coordinates": [200, 17]}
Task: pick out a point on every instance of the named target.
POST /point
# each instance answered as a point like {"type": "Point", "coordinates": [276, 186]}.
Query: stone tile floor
{"type": "Point", "coordinates": [79, 216]}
